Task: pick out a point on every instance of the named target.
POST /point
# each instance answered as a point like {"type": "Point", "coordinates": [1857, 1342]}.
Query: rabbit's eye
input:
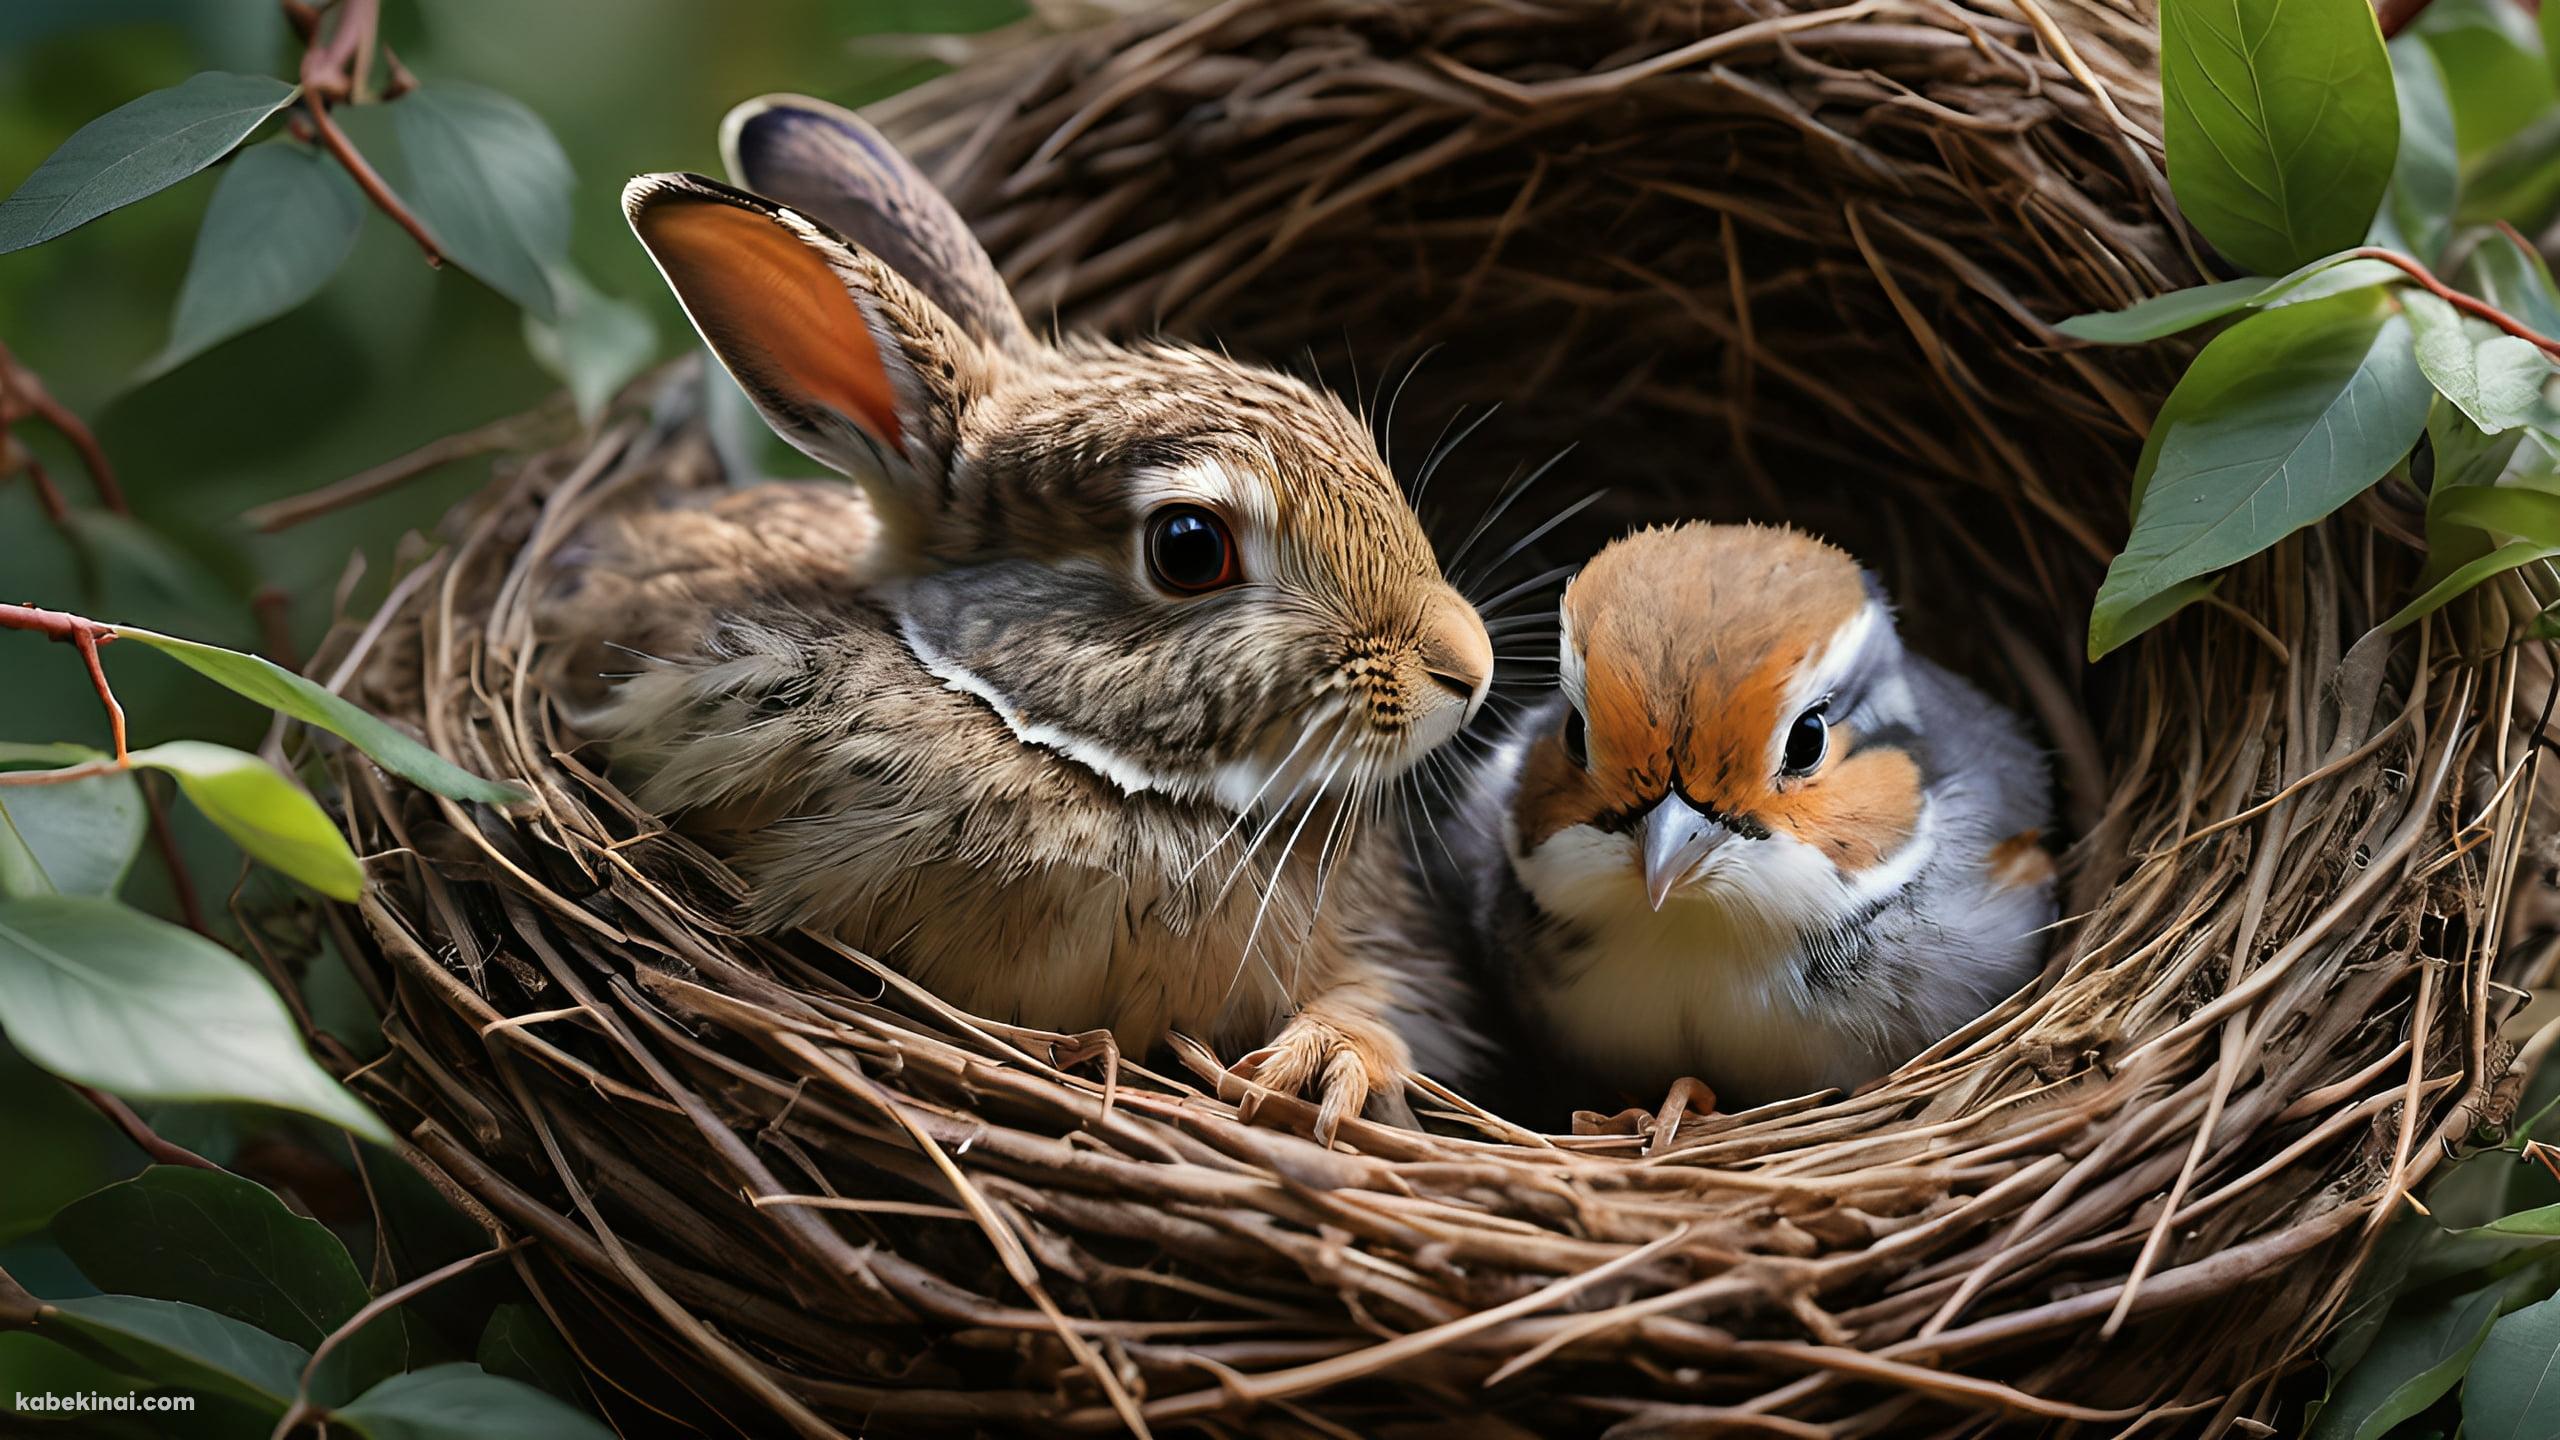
{"type": "Point", "coordinates": [1189, 550]}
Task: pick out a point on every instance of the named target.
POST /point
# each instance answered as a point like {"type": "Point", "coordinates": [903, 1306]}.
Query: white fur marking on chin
{"type": "Point", "coordinates": [1132, 777]}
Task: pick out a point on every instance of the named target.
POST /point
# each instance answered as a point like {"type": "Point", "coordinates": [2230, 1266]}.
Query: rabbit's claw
{"type": "Point", "coordinates": [1345, 1063]}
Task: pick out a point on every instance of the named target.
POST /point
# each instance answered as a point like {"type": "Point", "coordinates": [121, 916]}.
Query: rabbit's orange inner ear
{"type": "Point", "coordinates": [775, 310]}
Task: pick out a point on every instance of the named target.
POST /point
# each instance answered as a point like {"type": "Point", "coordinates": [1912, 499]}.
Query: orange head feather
{"type": "Point", "coordinates": [1690, 653]}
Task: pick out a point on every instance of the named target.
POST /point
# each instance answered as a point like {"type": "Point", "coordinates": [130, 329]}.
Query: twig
{"type": "Point", "coordinates": [294, 510]}
{"type": "Point", "coordinates": [23, 395]}
{"type": "Point", "coordinates": [333, 70]}
{"type": "Point", "coordinates": [370, 182]}
{"type": "Point", "coordinates": [164, 841]}
{"type": "Point", "coordinates": [302, 1409]}
{"type": "Point", "coordinates": [139, 1131]}
{"type": "Point", "coordinates": [29, 779]}
{"type": "Point", "coordinates": [84, 635]}
{"type": "Point", "coordinates": [274, 610]}
{"type": "Point", "coordinates": [2469, 305]}
{"type": "Point", "coordinates": [48, 494]}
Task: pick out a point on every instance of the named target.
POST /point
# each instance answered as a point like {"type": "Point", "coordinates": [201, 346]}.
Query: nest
{"type": "Point", "coordinates": [1768, 257]}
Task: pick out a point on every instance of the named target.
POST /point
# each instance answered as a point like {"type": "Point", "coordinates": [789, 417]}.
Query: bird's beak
{"type": "Point", "coordinates": [1676, 838]}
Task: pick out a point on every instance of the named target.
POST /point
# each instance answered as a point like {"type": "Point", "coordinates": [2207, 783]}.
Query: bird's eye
{"type": "Point", "coordinates": [1189, 550]}
{"type": "Point", "coordinates": [1577, 739]}
{"type": "Point", "coordinates": [1807, 741]}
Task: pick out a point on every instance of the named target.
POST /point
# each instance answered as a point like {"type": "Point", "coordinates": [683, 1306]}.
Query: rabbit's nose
{"type": "Point", "coordinates": [1456, 652]}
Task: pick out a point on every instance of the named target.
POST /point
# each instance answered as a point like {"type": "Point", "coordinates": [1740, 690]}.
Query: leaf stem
{"type": "Point", "coordinates": [23, 395]}
{"type": "Point", "coordinates": [164, 842]}
{"type": "Point", "coordinates": [84, 635]}
{"type": "Point", "coordinates": [302, 1409]}
{"type": "Point", "coordinates": [370, 182]}
{"type": "Point", "coordinates": [334, 62]}
{"type": "Point", "coordinates": [139, 1131]}
{"type": "Point", "coordinates": [2469, 305]}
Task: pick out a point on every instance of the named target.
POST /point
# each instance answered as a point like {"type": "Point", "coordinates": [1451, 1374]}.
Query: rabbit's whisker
{"type": "Point", "coordinates": [1502, 503]}
{"type": "Point", "coordinates": [1486, 573]}
{"type": "Point", "coordinates": [1278, 875]}
{"type": "Point", "coordinates": [1280, 812]}
{"type": "Point", "coordinates": [1245, 812]}
{"type": "Point", "coordinates": [1387, 426]}
{"type": "Point", "coordinates": [1441, 448]}
{"type": "Point", "coordinates": [1530, 586]}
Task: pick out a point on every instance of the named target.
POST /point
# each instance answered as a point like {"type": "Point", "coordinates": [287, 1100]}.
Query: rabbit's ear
{"type": "Point", "coordinates": [829, 164]}
{"type": "Point", "coordinates": [844, 358]}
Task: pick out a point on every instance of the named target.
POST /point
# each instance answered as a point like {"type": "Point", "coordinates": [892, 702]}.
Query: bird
{"type": "Point", "coordinates": [1752, 841]}
{"type": "Point", "coordinates": [1078, 704]}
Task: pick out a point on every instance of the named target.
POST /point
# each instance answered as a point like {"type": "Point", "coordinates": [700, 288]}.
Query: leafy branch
{"type": "Point", "coordinates": [2336, 167]}
{"type": "Point", "coordinates": [482, 183]}
{"type": "Point", "coordinates": [333, 72]}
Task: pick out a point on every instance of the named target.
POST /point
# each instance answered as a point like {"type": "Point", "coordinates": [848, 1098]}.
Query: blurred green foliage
{"type": "Point", "coordinates": [388, 355]}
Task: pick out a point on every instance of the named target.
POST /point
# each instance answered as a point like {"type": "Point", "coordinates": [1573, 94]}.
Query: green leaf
{"type": "Point", "coordinates": [2513, 1392]}
{"type": "Point", "coordinates": [2497, 379]}
{"type": "Point", "coordinates": [521, 1344]}
{"type": "Point", "coordinates": [282, 221]}
{"type": "Point", "coordinates": [463, 1402]}
{"type": "Point", "coordinates": [2514, 279]}
{"type": "Point", "coordinates": [596, 345]}
{"type": "Point", "coordinates": [2466, 454]}
{"type": "Point", "coordinates": [492, 183]}
{"type": "Point", "coordinates": [32, 1362]}
{"type": "Point", "coordinates": [277, 688]}
{"type": "Point", "coordinates": [266, 814]}
{"type": "Point", "coordinates": [184, 1346]}
{"type": "Point", "coordinates": [2281, 419]}
{"type": "Point", "coordinates": [2280, 124]}
{"type": "Point", "coordinates": [2426, 178]}
{"type": "Point", "coordinates": [103, 994]}
{"type": "Point", "coordinates": [2502, 509]}
{"type": "Point", "coordinates": [2418, 1356]}
{"type": "Point", "coordinates": [2551, 42]}
{"type": "Point", "coordinates": [72, 839]}
{"type": "Point", "coordinates": [139, 148]}
{"type": "Point", "coordinates": [2163, 315]}
{"type": "Point", "coordinates": [212, 1239]}
{"type": "Point", "coordinates": [2518, 180]}
{"type": "Point", "coordinates": [2490, 44]}
{"type": "Point", "coordinates": [51, 756]}
{"type": "Point", "coordinates": [2496, 562]}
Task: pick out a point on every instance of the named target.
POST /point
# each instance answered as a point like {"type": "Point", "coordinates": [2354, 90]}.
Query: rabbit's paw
{"type": "Point", "coordinates": [1349, 1062]}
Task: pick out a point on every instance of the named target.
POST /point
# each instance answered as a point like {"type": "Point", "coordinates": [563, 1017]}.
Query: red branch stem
{"type": "Point", "coordinates": [23, 396]}
{"type": "Point", "coordinates": [139, 1131]}
{"type": "Point", "coordinates": [370, 181]}
{"type": "Point", "coordinates": [48, 494]}
{"type": "Point", "coordinates": [334, 64]}
{"type": "Point", "coordinates": [2469, 305]}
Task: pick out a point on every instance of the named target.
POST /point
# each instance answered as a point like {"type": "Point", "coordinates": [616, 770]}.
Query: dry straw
{"type": "Point", "coordinates": [1757, 256]}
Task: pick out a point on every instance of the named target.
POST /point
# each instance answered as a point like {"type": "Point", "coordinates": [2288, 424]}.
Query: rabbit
{"type": "Point", "coordinates": [1075, 708]}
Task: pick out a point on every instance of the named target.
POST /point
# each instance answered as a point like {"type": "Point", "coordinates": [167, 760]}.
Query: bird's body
{"type": "Point", "coordinates": [1681, 874]}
